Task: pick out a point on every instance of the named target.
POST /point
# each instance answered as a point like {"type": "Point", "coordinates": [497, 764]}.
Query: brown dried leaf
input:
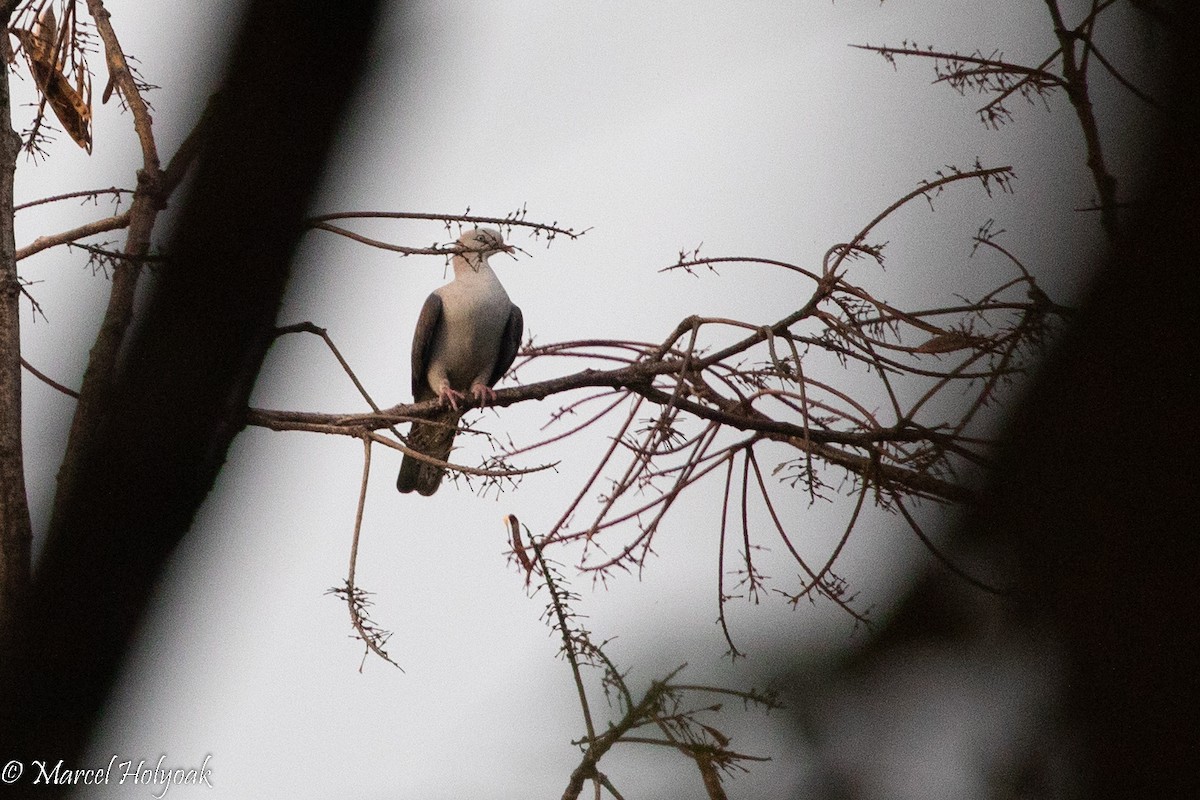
{"type": "Point", "coordinates": [72, 110]}
{"type": "Point", "coordinates": [947, 343]}
{"type": "Point", "coordinates": [45, 32]}
{"type": "Point", "coordinates": [71, 104]}
{"type": "Point", "coordinates": [721, 738]}
{"type": "Point", "coordinates": [712, 778]}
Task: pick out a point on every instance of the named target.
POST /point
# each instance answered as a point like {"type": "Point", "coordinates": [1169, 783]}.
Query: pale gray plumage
{"type": "Point", "coordinates": [465, 340]}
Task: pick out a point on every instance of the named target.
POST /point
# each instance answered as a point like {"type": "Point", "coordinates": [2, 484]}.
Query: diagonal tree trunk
{"type": "Point", "coordinates": [179, 393]}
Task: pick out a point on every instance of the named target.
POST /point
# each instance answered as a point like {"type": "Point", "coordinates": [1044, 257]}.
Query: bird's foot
{"type": "Point", "coordinates": [449, 397]}
{"type": "Point", "coordinates": [484, 394]}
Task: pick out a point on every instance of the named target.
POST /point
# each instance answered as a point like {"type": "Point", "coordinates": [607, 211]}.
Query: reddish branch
{"type": "Point", "coordinates": [685, 412]}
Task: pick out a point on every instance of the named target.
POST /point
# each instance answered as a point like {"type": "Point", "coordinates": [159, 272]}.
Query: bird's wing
{"type": "Point", "coordinates": [424, 336]}
{"type": "Point", "coordinates": [510, 342]}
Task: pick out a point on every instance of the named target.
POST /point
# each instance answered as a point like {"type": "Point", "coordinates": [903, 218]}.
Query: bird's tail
{"type": "Point", "coordinates": [434, 439]}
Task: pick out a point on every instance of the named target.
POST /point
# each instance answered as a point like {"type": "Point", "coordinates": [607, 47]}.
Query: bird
{"type": "Point", "coordinates": [466, 338]}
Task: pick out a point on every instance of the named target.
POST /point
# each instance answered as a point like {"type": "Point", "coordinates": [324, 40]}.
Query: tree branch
{"type": "Point", "coordinates": [53, 384]}
{"type": "Point", "coordinates": [89, 229]}
{"type": "Point", "coordinates": [16, 531]}
{"type": "Point", "coordinates": [149, 199]}
{"type": "Point", "coordinates": [89, 194]}
{"type": "Point", "coordinates": [163, 421]}
{"type": "Point", "coordinates": [516, 219]}
{"type": "Point", "coordinates": [635, 378]}
{"type": "Point", "coordinates": [1079, 95]}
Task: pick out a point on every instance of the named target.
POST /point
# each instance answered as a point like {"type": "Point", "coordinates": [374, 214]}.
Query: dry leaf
{"type": "Point", "coordinates": [71, 104]}
{"type": "Point", "coordinates": [947, 343]}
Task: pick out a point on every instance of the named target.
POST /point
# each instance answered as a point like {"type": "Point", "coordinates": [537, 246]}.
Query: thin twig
{"type": "Point", "coordinates": [53, 384]}
{"type": "Point", "coordinates": [372, 637]}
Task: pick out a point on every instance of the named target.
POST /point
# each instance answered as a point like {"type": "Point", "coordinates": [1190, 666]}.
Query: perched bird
{"type": "Point", "coordinates": [465, 340]}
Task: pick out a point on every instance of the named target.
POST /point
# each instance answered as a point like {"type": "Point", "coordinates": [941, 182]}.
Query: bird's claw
{"type": "Point", "coordinates": [449, 397]}
{"type": "Point", "coordinates": [485, 395]}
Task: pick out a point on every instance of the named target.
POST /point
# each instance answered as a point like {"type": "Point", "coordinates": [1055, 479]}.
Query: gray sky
{"type": "Point", "coordinates": [752, 128]}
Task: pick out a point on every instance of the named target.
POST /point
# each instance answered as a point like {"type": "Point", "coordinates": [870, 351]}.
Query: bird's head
{"type": "Point", "coordinates": [484, 242]}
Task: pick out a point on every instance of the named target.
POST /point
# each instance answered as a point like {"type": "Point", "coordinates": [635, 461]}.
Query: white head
{"type": "Point", "coordinates": [484, 242]}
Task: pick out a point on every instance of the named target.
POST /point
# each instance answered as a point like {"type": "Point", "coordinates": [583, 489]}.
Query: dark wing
{"type": "Point", "coordinates": [423, 337]}
{"type": "Point", "coordinates": [510, 343]}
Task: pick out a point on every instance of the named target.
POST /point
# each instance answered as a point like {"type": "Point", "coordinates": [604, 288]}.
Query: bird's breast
{"type": "Point", "coordinates": [473, 322]}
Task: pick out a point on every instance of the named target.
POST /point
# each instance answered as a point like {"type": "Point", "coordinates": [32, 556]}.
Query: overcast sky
{"type": "Point", "coordinates": [751, 128]}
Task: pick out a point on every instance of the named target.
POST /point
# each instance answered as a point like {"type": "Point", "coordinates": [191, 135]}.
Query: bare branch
{"type": "Point", "coordinates": [308, 327]}
{"type": "Point", "coordinates": [148, 200]}
{"type": "Point", "coordinates": [87, 194]}
{"type": "Point", "coordinates": [66, 237]}
{"type": "Point", "coordinates": [53, 384]}
{"type": "Point", "coordinates": [395, 248]}
{"type": "Point", "coordinates": [1121, 79]}
{"type": "Point", "coordinates": [374, 638]}
{"type": "Point", "coordinates": [16, 529]}
{"type": "Point", "coordinates": [710, 405]}
{"type": "Point", "coordinates": [514, 220]}
{"type": "Point", "coordinates": [123, 79]}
